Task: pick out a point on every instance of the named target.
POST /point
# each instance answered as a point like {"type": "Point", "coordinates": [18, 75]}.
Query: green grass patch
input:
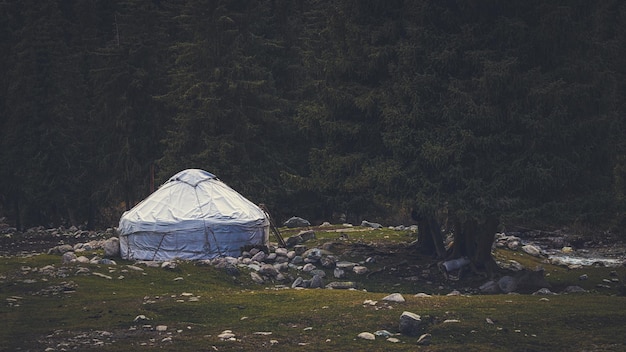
{"type": "Point", "coordinates": [66, 309]}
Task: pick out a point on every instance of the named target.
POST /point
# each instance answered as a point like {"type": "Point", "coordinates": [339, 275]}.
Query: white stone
{"type": "Point", "coordinates": [532, 250]}
{"type": "Point", "coordinates": [366, 336]}
{"type": "Point", "coordinates": [360, 270]}
{"type": "Point", "coordinates": [394, 297]}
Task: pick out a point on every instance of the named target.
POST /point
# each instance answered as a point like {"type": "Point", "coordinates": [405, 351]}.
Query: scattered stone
{"type": "Point", "coordinates": [360, 270]}
{"type": "Point", "coordinates": [308, 267]}
{"type": "Point", "coordinates": [268, 270]}
{"type": "Point", "coordinates": [61, 249]}
{"type": "Point", "coordinates": [490, 287]}
{"type": "Point", "coordinates": [410, 324]}
{"type": "Point", "coordinates": [256, 278]}
{"type": "Point", "coordinates": [106, 261]}
{"type": "Point", "coordinates": [103, 276]}
{"type": "Point", "coordinates": [339, 273]}
{"type": "Point", "coordinates": [422, 295]}
{"type": "Point", "coordinates": [532, 250]}
{"type": "Point", "coordinates": [226, 335]}
{"type": "Point", "coordinates": [259, 257]}
{"type": "Point", "coordinates": [574, 289]}
{"type": "Point", "coordinates": [169, 265]}
{"type": "Point", "coordinates": [383, 333]}
{"type": "Point", "coordinates": [543, 291]}
{"type": "Point", "coordinates": [373, 225]}
{"type": "Point", "coordinates": [161, 328]}
{"type": "Point", "coordinates": [341, 285]}
{"type": "Point", "coordinates": [424, 339]}
{"type": "Point", "coordinates": [367, 336]}
{"type": "Point", "coordinates": [68, 257]}
{"type": "Point", "coordinates": [296, 221]}
{"type": "Point", "coordinates": [316, 282]}
{"type": "Point", "coordinates": [140, 317]}
{"type": "Point", "coordinates": [394, 297]}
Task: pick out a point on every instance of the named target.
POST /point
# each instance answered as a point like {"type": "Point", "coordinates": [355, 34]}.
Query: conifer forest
{"type": "Point", "coordinates": [506, 113]}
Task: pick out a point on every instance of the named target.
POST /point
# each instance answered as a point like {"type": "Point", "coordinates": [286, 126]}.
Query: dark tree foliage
{"type": "Point", "coordinates": [475, 115]}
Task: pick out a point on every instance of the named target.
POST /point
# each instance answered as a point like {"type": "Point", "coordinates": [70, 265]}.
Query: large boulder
{"type": "Point", "coordinates": [410, 324]}
{"type": "Point", "coordinates": [295, 221]}
{"type": "Point", "coordinates": [112, 247]}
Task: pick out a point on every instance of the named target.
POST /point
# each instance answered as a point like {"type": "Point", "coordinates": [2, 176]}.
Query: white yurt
{"type": "Point", "coordinates": [192, 216]}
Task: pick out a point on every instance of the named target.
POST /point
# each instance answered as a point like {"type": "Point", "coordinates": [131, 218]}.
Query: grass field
{"type": "Point", "coordinates": [45, 305]}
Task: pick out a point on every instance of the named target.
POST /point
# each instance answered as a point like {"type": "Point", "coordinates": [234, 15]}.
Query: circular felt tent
{"type": "Point", "coordinates": [192, 216]}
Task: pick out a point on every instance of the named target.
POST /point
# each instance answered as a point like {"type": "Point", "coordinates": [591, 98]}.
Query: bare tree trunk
{"type": "Point", "coordinates": [474, 241]}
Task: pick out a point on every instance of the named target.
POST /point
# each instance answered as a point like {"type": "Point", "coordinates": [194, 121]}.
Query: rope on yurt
{"type": "Point", "coordinates": [159, 246]}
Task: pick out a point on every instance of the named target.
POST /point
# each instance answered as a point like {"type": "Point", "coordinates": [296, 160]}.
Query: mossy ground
{"type": "Point", "coordinates": [64, 310]}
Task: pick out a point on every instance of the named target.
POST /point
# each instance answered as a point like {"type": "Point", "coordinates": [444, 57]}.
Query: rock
{"type": "Point", "coordinates": [328, 261]}
{"type": "Point", "coordinates": [299, 249]}
{"type": "Point", "coordinates": [259, 257]}
{"type": "Point", "coordinates": [231, 269]}
{"type": "Point", "coordinates": [394, 297]}
{"type": "Point", "coordinates": [532, 250]}
{"type": "Point", "coordinates": [226, 335]}
{"type": "Point", "coordinates": [410, 324]}
{"type": "Point", "coordinates": [270, 258]}
{"type": "Point", "coordinates": [308, 267]}
{"type": "Point", "coordinates": [281, 252]}
{"type": "Point", "coordinates": [103, 276]}
{"type": "Point", "coordinates": [367, 336]}
{"type": "Point", "coordinates": [424, 339]}
{"type": "Point", "coordinates": [161, 328]}
{"type": "Point", "coordinates": [140, 318]}
{"type": "Point", "coordinates": [316, 282]}
{"type": "Point", "coordinates": [112, 247]}
{"type": "Point", "coordinates": [507, 284]}
{"type": "Point", "coordinates": [106, 261]}
{"type": "Point", "coordinates": [268, 270]}
{"type": "Point", "coordinates": [373, 225]}
{"type": "Point", "coordinates": [574, 289]}
{"type": "Point", "coordinates": [257, 278]}
{"type": "Point", "coordinates": [490, 287]}
{"type": "Point", "coordinates": [346, 265]}
{"type": "Point", "coordinates": [319, 272]}
{"type": "Point", "coordinates": [281, 266]}
{"type": "Point", "coordinates": [61, 249]}
{"type": "Point", "coordinates": [296, 222]}
{"type": "Point", "coordinates": [313, 254]}
{"type": "Point", "coordinates": [339, 273]}
{"type": "Point", "coordinates": [543, 291]}
{"type": "Point", "coordinates": [68, 257]}
{"type": "Point", "coordinates": [360, 270]}
{"type": "Point", "coordinates": [341, 285]}
{"type": "Point", "coordinates": [297, 282]}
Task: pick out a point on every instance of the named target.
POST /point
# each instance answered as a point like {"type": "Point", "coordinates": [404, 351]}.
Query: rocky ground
{"type": "Point", "coordinates": [395, 259]}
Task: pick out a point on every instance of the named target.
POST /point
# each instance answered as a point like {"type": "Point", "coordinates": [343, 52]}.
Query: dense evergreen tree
{"type": "Point", "coordinates": [469, 113]}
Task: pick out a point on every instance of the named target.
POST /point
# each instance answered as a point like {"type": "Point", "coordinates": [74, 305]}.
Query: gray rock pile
{"type": "Point", "coordinates": [297, 267]}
